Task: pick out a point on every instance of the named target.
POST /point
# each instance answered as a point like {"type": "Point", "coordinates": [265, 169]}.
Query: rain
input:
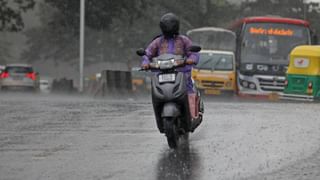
{"type": "Point", "coordinates": [159, 90]}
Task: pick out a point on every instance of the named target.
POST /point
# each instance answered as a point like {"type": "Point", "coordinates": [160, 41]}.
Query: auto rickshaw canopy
{"type": "Point", "coordinates": [305, 60]}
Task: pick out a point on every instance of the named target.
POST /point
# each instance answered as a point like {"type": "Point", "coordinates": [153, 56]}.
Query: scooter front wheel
{"type": "Point", "coordinates": [171, 132]}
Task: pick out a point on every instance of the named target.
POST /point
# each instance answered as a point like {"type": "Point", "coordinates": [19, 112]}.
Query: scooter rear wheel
{"type": "Point", "coordinates": [171, 132]}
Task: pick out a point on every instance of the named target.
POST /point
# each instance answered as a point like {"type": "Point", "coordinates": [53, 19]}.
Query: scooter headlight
{"type": "Point", "coordinates": [168, 64]}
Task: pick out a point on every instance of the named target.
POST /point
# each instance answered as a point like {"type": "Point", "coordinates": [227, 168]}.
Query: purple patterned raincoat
{"type": "Point", "coordinates": [177, 45]}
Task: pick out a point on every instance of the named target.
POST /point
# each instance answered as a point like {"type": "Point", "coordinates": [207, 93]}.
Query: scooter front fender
{"type": "Point", "coordinates": [170, 110]}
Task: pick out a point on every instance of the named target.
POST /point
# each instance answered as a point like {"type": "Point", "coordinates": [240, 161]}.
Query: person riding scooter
{"type": "Point", "coordinates": [171, 42]}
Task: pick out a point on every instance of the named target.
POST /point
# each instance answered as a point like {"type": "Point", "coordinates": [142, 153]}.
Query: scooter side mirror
{"type": "Point", "coordinates": [194, 48]}
{"type": "Point", "coordinates": [141, 52]}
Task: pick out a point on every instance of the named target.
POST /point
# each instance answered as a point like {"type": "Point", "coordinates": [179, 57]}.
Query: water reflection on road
{"type": "Point", "coordinates": [183, 163]}
{"type": "Point", "coordinates": [60, 137]}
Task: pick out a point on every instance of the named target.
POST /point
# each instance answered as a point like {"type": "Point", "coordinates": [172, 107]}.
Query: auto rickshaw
{"type": "Point", "coordinates": [303, 74]}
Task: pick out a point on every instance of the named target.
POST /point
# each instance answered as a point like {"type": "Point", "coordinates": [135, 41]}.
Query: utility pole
{"type": "Point", "coordinates": [304, 9]}
{"type": "Point", "coordinates": [82, 30]}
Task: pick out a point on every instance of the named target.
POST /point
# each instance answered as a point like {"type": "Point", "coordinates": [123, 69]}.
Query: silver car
{"type": "Point", "coordinates": [19, 77]}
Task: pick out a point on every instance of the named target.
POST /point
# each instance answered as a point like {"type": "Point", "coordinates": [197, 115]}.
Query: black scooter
{"type": "Point", "coordinates": [176, 112]}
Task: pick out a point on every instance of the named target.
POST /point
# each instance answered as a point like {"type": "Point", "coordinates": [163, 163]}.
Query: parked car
{"type": "Point", "coordinates": [1, 68]}
{"type": "Point", "coordinates": [19, 77]}
{"type": "Point", "coordinates": [45, 86]}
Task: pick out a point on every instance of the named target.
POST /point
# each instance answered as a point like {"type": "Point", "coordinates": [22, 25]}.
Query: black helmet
{"type": "Point", "coordinates": [169, 25]}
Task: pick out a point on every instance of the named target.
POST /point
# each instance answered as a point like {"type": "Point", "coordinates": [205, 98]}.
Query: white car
{"type": "Point", "coordinates": [45, 86]}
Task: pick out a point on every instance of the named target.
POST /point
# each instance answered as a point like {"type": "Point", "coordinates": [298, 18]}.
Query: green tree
{"type": "Point", "coordinates": [10, 14]}
{"type": "Point", "coordinates": [114, 28]}
{"type": "Point", "coordinates": [56, 38]}
{"type": "Point", "coordinates": [4, 51]}
{"type": "Point", "coordinates": [11, 21]}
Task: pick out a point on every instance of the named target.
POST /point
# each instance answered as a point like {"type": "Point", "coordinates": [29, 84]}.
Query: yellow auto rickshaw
{"type": "Point", "coordinates": [303, 74]}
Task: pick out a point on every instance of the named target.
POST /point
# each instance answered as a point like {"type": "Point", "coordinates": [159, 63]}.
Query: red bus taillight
{"type": "Point", "coordinates": [4, 75]}
{"type": "Point", "coordinates": [31, 76]}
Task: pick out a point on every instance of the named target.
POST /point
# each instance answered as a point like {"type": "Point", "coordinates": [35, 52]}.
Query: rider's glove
{"type": "Point", "coordinates": [145, 66]}
{"type": "Point", "coordinates": [180, 62]}
{"type": "Point", "coordinates": [189, 61]}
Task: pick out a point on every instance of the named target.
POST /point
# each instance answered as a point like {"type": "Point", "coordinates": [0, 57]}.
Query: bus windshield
{"type": "Point", "coordinates": [271, 42]}
{"type": "Point", "coordinates": [213, 38]}
{"type": "Point", "coordinates": [215, 61]}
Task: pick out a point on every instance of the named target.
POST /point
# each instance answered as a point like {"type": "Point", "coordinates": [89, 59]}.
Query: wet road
{"type": "Point", "coordinates": [84, 138]}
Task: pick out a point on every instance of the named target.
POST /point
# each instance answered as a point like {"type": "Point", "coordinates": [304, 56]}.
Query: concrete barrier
{"type": "Point", "coordinates": [113, 83]}
{"type": "Point", "coordinates": [118, 81]}
{"type": "Point", "coordinates": [62, 86]}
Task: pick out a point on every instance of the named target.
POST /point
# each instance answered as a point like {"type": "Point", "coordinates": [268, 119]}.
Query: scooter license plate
{"type": "Point", "coordinates": [167, 78]}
